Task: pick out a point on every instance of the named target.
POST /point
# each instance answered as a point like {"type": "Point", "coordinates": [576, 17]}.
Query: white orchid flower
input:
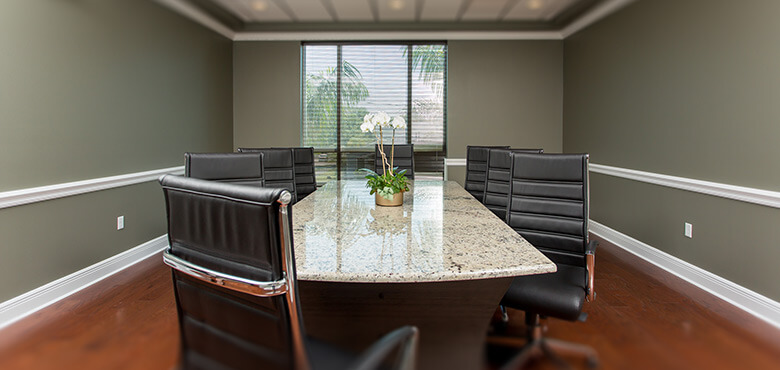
{"type": "Point", "coordinates": [381, 119]}
{"type": "Point", "coordinates": [367, 127]}
{"type": "Point", "coordinates": [368, 117]}
{"type": "Point", "coordinates": [398, 122]}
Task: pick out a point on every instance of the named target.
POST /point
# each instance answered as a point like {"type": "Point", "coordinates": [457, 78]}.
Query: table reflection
{"type": "Point", "coordinates": [438, 233]}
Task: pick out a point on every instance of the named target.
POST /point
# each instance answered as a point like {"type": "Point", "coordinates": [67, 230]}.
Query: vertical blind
{"type": "Point", "coordinates": [344, 82]}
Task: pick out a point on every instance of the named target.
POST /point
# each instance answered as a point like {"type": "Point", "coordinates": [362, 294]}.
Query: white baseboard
{"type": "Point", "coordinates": [741, 297]}
{"type": "Point", "coordinates": [19, 307]}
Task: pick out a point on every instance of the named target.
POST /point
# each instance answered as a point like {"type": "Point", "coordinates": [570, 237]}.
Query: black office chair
{"type": "Point", "coordinates": [278, 168]}
{"type": "Point", "coordinates": [476, 168]}
{"type": "Point", "coordinates": [305, 177]}
{"type": "Point", "coordinates": [499, 165]}
{"type": "Point", "coordinates": [235, 283]}
{"type": "Point", "coordinates": [403, 158]}
{"type": "Point", "coordinates": [235, 168]}
{"type": "Point", "coordinates": [549, 208]}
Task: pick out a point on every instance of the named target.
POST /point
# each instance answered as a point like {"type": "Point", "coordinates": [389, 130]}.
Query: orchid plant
{"type": "Point", "coordinates": [390, 181]}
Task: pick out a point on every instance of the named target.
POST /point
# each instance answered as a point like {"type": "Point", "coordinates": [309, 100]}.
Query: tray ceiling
{"type": "Point", "coordinates": [247, 19]}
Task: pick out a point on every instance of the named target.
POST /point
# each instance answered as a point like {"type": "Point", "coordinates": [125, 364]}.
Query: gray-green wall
{"type": "Point", "coordinates": [267, 93]}
{"type": "Point", "coordinates": [503, 93]}
{"type": "Point", "coordinates": [500, 92]}
{"type": "Point", "coordinates": [690, 89]}
{"type": "Point", "coordinates": [97, 88]}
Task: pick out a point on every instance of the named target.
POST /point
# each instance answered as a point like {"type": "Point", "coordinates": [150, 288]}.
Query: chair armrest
{"type": "Point", "coordinates": [590, 262]}
{"type": "Point", "coordinates": [405, 337]}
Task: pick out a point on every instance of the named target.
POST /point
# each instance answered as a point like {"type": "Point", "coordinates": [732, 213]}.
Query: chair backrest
{"type": "Point", "coordinates": [499, 166]}
{"type": "Point", "coordinates": [549, 204]}
{"type": "Point", "coordinates": [403, 158]}
{"type": "Point", "coordinates": [305, 177]}
{"type": "Point", "coordinates": [234, 275]}
{"type": "Point", "coordinates": [235, 168]}
{"type": "Point", "coordinates": [476, 168]}
{"type": "Point", "coordinates": [278, 168]}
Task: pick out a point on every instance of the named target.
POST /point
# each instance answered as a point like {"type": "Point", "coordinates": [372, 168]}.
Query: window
{"type": "Point", "coordinates": [344, 82]}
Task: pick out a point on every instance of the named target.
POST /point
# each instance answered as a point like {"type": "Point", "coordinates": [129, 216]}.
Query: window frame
{"type": "Point", "coordinates": [339, 66]}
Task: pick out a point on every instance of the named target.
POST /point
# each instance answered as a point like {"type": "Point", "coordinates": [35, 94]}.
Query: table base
{"type": "Point", "coordinates": [453, 317]}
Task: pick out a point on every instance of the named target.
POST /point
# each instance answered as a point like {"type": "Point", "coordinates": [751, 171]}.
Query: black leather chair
{"type": "Point", "coordinates": [236, 168]}
{"type": "Point", "coordinates": [305, 177]}
{"type": "Point", "coordinates": [235, 283]}
{"type": "Point", "coordinates": [403, 158]}
{"type": "Point", "coordinates": [499, 165]}
{"type": "Point", "coordinates": [278, 168]}
{"type": "Point", "coordinates": [476, 168]}
{"type": "Point", "coordinates": [549, 208]}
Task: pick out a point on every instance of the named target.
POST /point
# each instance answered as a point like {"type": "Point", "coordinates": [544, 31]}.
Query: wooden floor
{"type": "Point", "coordinates": [643, 318]}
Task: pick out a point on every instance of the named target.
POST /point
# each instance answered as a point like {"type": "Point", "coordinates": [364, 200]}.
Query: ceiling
{"type": "Point", "coordinates": [250, 11]}
{"type": "Point", "coordinates": [394, 19]}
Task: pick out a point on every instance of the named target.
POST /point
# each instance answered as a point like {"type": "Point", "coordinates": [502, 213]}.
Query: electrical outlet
{"type": "Point", "coordinates": [120, 222]}
{"type": "Point", "coordinates": [688, 230]}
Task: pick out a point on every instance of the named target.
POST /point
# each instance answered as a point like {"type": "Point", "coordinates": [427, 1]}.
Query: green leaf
{"type": "Point", "coordinates": [386, 192]}
{"type": "Point", "coordinates": [386, 184]}
{"type": "Point", "coordinates": [369, 172]}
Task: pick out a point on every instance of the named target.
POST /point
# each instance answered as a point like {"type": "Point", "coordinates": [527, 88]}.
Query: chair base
{"type": "Point", "coordinates": [536, 345]}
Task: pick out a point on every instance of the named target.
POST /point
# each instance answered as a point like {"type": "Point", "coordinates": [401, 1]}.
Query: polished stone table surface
{"type": "Point", "coordinates": [441, 233]}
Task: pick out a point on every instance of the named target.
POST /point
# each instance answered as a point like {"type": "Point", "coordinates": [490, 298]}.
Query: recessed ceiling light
{"type": "Point", "coordinates": [396, 4]}
{"type": "Point", "coordinates": [535, 4]}
{"type": "Point", "coordinates": [260, 5]}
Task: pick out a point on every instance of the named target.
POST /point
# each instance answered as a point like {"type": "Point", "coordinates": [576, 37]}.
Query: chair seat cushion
{"type": "Point", "coordinates": [560, 294]}
{"type": "Point", "coordinates": [324, 356]}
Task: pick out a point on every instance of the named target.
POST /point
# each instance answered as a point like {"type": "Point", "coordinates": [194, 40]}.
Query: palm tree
{"type": "Point", "coordinates": [429, 63]}
{"type": "Point", "coordinates": [320, 109]}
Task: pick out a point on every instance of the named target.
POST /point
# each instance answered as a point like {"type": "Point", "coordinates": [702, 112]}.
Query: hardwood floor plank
{"type": "Point", "coordinates": [127, 321]}
{"type": "Point", "coordinates": [645, 318]}
{"type": "Point", "coordinates": [642, 318]}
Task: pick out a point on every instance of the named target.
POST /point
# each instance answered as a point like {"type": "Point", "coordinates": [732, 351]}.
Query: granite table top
{"type": "Point", "coordinates": [441, 233]}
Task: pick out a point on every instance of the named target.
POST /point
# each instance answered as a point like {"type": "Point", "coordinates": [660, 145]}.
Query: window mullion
{"type": "Point", "coordinates": [409, 50]}
{"type": "Point", "coordinates": [339, 72]}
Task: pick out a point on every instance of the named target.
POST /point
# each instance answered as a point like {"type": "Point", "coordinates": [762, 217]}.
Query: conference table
{"type": "Point", "coordinates": [441, 262]}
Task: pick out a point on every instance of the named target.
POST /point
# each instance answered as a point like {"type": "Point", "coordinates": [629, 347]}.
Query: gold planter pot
{"type": "Point", "coordinates": [398, 199]}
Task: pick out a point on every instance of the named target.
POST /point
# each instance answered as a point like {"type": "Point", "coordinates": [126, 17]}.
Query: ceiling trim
{"type": "Point", "coordinates": [596, 14]}
{"type": "Point", "coordinates": [186, 9]}
{"type": "Point", "coordinates": [396, 35]}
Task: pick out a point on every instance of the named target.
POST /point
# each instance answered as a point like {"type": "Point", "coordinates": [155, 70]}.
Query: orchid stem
{"type": "Point", "coordinates": [382, 151]}
{"type": "Point", "coordinates": [392, 152]}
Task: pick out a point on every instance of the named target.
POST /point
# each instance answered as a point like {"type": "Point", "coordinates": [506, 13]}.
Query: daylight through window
{"type": "Point", "coordinates": [344, 82]}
